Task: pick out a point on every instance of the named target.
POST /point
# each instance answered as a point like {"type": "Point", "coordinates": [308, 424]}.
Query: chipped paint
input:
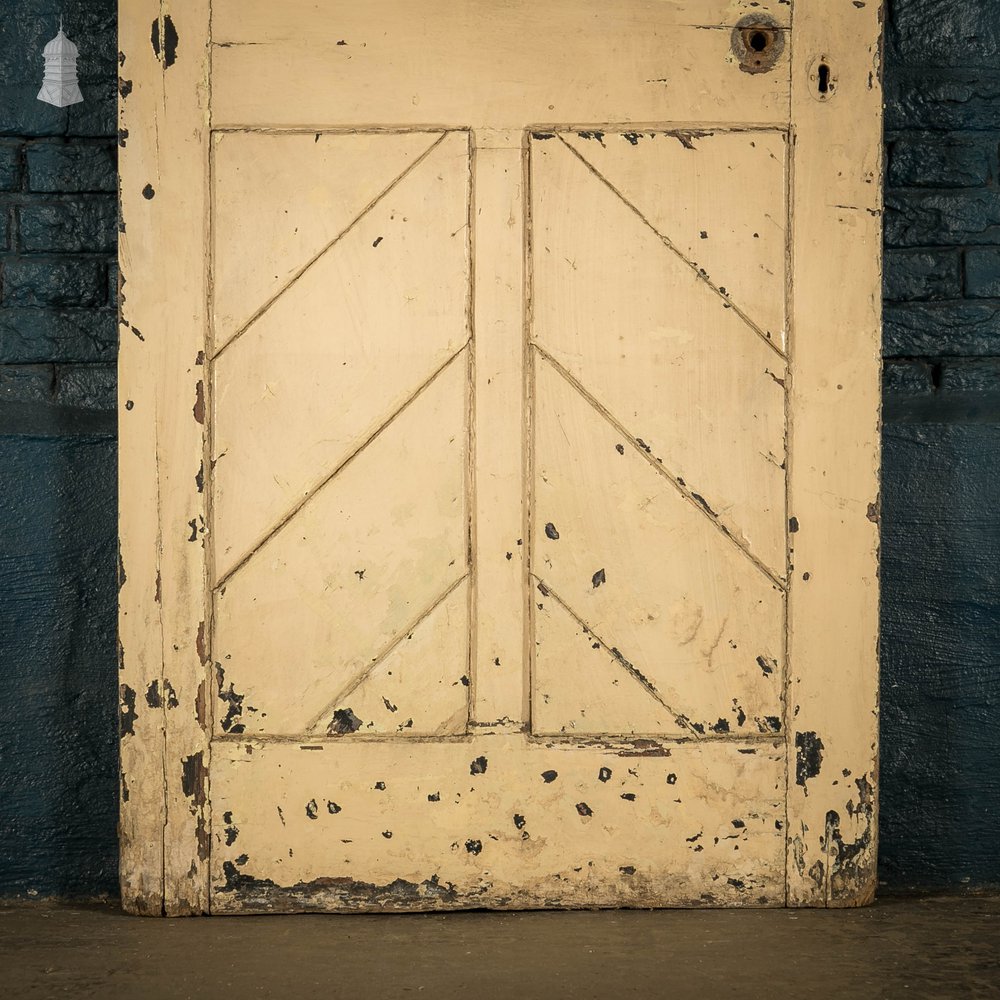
{"type": "Point", "coordinates": [167, 51]}
{"type": "Point", "coordinates": [354, 787]}
{"type": "Point", "coordinates": [127, 712]}
{"type": "Point", "coordinates": [194, 778]}
{"type": "Point", "coordinates": [808, 757]}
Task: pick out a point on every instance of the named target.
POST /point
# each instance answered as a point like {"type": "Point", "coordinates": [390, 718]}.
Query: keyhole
{"type": "Point", "coordinates": [824, 78]}
{"type": "Point", "coordinates": [758, 41]}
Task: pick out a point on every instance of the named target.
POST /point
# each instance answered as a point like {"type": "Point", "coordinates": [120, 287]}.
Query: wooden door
{"type": "Point", "coordinates": [499, 453]}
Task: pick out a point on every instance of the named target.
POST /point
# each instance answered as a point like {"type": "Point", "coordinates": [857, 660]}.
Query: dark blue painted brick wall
{"type": "Point", "coordinates": [58, 338]}
{"type": "Point", "coordinates": [941, 463]}
{"type": "Point", "coordinates": [941, 492]}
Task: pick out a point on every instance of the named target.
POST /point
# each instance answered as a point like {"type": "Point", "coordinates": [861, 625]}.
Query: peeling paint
{"type": "Point", "coordinates": [169, 695]}
{"type": "Point", "coordinates": [808, 757]}
{"type": "Point", "coordinates": [199, 402]}
{"type": "Point", "coordinates": [324, 893]}
{"type": "Point", "coordinates": [127, 713]}
{"type": "Point", "coordinates": [344, 721]}
{"type": "Point", "coordinates": [234, 702]}
{"type": "Point", "coordinates": [201, 644]}
{"type": "Point", "coordinates": [194, 777]}
{"type": "Point", "coordinates": [168, 49]}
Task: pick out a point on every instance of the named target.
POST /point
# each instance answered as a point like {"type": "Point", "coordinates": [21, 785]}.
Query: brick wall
{"type": "Point", "coordinates": [58, 337]}
{"type": "Point", "coordinates": [941, 463]}
{"type": "Point", "coordinates": [941, 489]}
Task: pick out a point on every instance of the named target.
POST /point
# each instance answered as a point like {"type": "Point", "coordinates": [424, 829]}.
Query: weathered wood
{"type": "Point", "coordinates": [500, 695]}
{"type": "Point", "coordinates": [832, 700]}
{"type": "Point", "coordinates": [140, 633]}
{"type": "Point", "coordinates": [358, 566]}
{"type": "Point", "coordinates": [496, 821]}
{"type": "Point", "coordinates": [499, 454]}
{"type": "Point", "coordinates": [365, 320]}
{"type": "Point", "coordinates": [656, 343]}
{"type": "Point", "coordinates": [164, 135]}
{"type": "Point", "coordinates": [619, 547]}
{"type": "Point", "coordinates": [494, 65]}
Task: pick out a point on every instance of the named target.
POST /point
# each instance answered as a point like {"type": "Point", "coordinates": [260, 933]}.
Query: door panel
{"type": "Point", "coordinates": [354, 569]}
{"type": "Point", "coordinates": [627, 555]}
{"type": "Point", "coordinates": [717, 198]}
{"type": "Point", "coordinates": [399, 692]}
{"type": "Point", "coordinates": [363, 323]}
{"type": "Point", "coordinates": [656, 346]}
{"type": "Point", "coordinates": [495, 821]}
{"type": "Point", "coordinates": [499, 454]}
{"type": "Point", "coordinates": [494, 65]}
{"type": "Point", "coordinates": [267, 189]}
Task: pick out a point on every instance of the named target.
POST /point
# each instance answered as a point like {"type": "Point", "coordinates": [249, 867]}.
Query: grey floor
{"type": "Point", "coordinates": [937, 947]}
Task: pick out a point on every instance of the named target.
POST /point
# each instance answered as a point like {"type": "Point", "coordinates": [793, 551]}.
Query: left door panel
{"type": "Point", "coordinates": [339, 431]}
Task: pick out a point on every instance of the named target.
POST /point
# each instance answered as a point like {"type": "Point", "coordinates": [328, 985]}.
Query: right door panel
{"type": "Point", "coordinates": [658, 408]}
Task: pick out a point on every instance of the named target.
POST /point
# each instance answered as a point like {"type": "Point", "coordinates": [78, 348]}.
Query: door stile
{"type": "Point", "coordinates": [834, 435]}
{"type": "Point", "coordinates": [141, 726]}
{"type": "Point", "coordinates": [500, 695]}
{"type": "Point", "coordinates": [163, 244]}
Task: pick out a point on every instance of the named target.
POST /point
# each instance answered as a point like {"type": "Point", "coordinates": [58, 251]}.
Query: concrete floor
{"type": "Point", "coordinates": [914, 948]}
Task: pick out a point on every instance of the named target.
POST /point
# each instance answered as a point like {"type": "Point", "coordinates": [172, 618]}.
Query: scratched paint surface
{"type": "Point", "coordinates": [466, 488]}
{"type": "Point", "coordinates": [682, 628]}
{"type": "Point", "coordinates": [665, 547]}
{"type": "Point", "coordinates": [496, 821]}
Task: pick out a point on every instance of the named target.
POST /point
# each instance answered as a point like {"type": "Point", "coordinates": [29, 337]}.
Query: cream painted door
{"type": "Point", "coordinates": [499, 454]}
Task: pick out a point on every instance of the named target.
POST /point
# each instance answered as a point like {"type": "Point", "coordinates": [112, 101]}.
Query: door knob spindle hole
{"type": "Point", "coordinates": [757, 42]}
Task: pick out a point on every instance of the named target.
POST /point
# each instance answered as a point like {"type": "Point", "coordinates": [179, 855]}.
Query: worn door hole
{"type": "Point", "coordinates": [757, 42]}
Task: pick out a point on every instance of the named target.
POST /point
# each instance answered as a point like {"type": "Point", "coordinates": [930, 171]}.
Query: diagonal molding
{"type": "Point", "coordinates": [613, 651]}
{"type": "Point", "coordinates": [693, 497]}
{"type": "Point", "coordinates": [328, 478]}
{"type": "Point", "coordinates": [352, 685]}
{"type": "Point", "coordinates": [670, 245]}
{"type": "Point", "coordinates": [329, 246]}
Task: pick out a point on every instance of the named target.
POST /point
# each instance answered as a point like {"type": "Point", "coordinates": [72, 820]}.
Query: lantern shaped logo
{"type": "Point", "coordinates": [59, 86]}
